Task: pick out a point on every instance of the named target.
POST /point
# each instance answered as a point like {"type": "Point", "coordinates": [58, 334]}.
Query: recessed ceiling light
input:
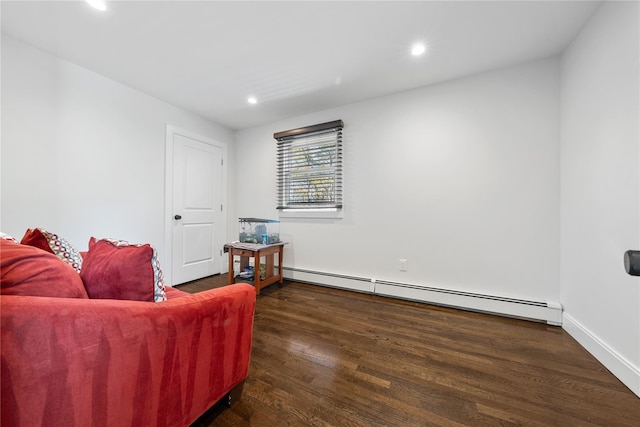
{"type": "Point", "coordinates": [252, 100]}
{"type": "Point", "coordinates": [418, 49]}
{"type": "Point", "coordinates": [98, 4]}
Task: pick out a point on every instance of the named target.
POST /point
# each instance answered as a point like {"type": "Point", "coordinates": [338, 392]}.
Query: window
{"type": "Point", "coordinates": [310, 168]}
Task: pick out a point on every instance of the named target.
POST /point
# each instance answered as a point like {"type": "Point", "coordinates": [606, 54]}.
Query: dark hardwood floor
{"type": "Point", "coordinates": [327, 357]}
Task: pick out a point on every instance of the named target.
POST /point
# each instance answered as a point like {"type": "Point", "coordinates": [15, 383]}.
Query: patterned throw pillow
{"type": "Point", "coordinates": [117, 269]}
{"type": "Point", "coordinates": [50, 242]}
{"type": "Point", "coordinates": [5, 236]}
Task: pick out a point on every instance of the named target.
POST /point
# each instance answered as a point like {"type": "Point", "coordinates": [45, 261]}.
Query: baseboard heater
{"type": "Point", "coordinates": [545, 311]}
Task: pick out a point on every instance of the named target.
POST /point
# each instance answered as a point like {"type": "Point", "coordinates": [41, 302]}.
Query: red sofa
{"type": "Point", "coordinates": [75, 361]}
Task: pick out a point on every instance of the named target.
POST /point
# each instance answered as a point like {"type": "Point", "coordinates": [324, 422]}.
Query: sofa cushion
{"type": "Point", "coordinates": [116, 269]}
{"type": "Point", "coordinates": [51, 242]}
{"type": "Point", "coordinates": [173, 293]}
{"type": "Point", "coordinates": [27, 270]}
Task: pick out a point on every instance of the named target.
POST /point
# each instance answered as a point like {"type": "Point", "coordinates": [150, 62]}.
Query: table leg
{"type": "Point", "coordinates": [230, 274]}
{"type": "Point", "coordinates": [256, 272]}
{"type": "Point", "coordinates": [280, 263]}
{"type": "Point", "coordinates": [269, 266]}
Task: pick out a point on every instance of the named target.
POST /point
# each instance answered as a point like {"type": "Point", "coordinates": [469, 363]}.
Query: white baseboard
{"type": "Point", "coordinates": [549, 312]}
{"type": "Point", "coordinates": [358, 284]}
{"type": "Point", "coordinates": [623, 369]}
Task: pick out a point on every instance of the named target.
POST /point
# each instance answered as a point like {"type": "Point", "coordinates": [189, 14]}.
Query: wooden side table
{"type": "Point", "coordinates": [249, 250]}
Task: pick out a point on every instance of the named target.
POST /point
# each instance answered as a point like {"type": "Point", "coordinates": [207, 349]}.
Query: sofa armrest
{"type": "Point", "coordinates": [79, 362]}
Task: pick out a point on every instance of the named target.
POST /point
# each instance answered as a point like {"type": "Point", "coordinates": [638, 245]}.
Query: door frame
{"type": "Point", "coordinates": [171, 130]}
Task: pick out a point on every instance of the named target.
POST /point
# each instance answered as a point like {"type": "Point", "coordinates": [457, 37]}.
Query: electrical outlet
{"type": "Point", "coordinates": [403, 264]}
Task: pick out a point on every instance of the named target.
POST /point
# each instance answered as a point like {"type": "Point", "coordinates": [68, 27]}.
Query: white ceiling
{"type": "Point", "coordinates": [294, 57]}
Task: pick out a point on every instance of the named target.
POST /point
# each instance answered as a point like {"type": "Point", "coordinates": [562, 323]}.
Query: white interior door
{"type": "Point", "coordinates": [197, 206]}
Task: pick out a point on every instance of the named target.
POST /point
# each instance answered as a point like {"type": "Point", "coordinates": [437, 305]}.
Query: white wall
{"type": "Point", "coordinates": [600, 163]}
{"type": "Point", "coordinates": [461, 179]}
{"type": "Point", "coordinates": [83, 155]}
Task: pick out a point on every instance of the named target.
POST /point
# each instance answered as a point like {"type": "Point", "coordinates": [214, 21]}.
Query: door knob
{"type": "Point", "coordinates": [177, 217]}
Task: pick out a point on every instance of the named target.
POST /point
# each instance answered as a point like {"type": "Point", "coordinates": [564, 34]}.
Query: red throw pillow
{"type": "Point", "coordinates": [116, 269]}
{"type": "Point", "coordinates": [50, 242]}
{"type": "Point", "coordinates": [33, 237]}
{"type": "Point", "coordinates": [26, 270]}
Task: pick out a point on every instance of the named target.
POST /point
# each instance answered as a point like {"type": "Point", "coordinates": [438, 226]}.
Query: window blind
{"type": "Point", "coordinates": [309, 167]}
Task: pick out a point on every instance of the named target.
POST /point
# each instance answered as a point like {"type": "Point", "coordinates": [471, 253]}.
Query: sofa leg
{"type": "Point", "coordinates": [234, 395]}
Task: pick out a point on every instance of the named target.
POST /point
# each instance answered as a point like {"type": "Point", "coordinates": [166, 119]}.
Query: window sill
{"type": "Point", "coordinates": [311, 213]}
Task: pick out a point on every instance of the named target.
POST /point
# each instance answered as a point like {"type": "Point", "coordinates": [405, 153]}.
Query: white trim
{"type": "Point", "coordinates": [168, 195]}
{"type": "Point", "coordinates": [357, 284]}
{"type": "Point", "coordinates": [551, 313]}
{"type": "Point", "coordinates": [547, 311]}
{"type": "Point", "coordinates": [622, 368]}
{"type": "Point", "coordinates": [311, 213]}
